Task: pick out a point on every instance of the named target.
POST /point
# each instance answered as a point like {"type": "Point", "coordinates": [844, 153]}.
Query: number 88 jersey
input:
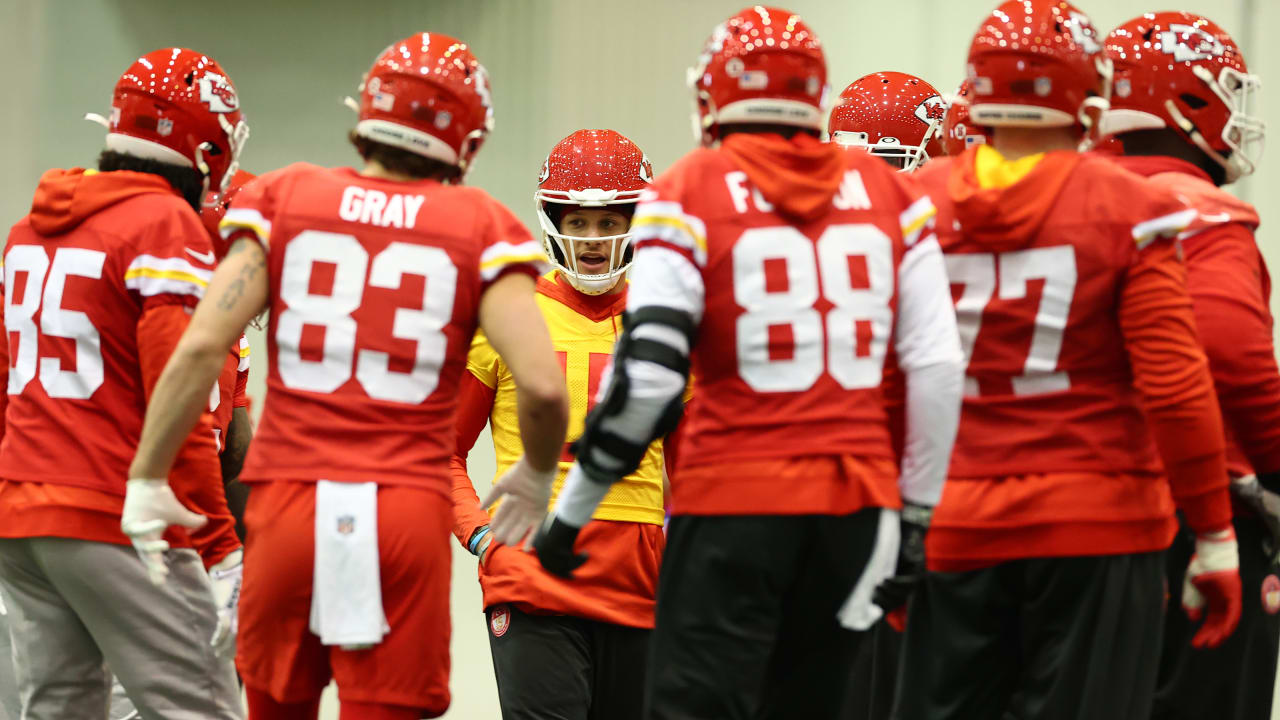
{"type": "Point", "coordinates": [375, 290]}
{"type": "Point", "coordinates": [798, 312]}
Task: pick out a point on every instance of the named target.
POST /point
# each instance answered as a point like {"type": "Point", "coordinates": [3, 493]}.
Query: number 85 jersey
{"type": "Point", "coordinates": [375, 287]}
{"type": "Point", "coordinates": [803, 266]}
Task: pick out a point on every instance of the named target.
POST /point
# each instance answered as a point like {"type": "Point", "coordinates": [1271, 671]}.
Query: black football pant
{"type": "Point", "coordinates": [746, 623]}
{"type": "Point", "coordinates": [874, 676]}
{"type": "Point", "coordinates": [1074, 638]}
{"type": "Point", "coordinates": [557, 667]}
{"type": "Point", "coordinates": [1235, 680]}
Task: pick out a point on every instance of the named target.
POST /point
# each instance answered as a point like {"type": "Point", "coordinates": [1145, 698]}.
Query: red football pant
{"type": "Point", "coordinates": [277, 653]}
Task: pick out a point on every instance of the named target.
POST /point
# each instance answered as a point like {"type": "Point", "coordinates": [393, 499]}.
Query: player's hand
{"type": "Point", "coordinates": [554, 545]}
{"type": "Point", "coordinates": [1248, 491]}
{"type": "Point", "coordinates": [525, 494]}
{"type": "Point", "coordinates": [1213, 581]}
{"type": "Point", "coordinates": [150, 507]}
{"type": "Point", "coordinates": [892, 594]}
{"type": "Point", "coordinates": [227, 577]}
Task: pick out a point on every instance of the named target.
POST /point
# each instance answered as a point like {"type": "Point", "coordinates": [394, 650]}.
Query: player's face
{"type": "Point", "coordinates": [586, 223]}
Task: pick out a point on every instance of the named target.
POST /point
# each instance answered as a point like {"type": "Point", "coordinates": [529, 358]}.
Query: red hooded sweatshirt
{"type": "Point", "coordinates": [1085, 373]}
{"type": "Point", "coordinates": [1231, 293]}
{"type": "Point", "coordinates": [747, 216]}
{"type": "Point", "coordinates": [107, 266]}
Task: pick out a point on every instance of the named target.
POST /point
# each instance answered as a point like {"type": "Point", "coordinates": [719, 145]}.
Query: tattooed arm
{"type": "Point", "coordinates": [237, 293]}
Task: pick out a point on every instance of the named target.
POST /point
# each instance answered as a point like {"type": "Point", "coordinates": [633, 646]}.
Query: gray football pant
{"type": "Point", "coordinates": [10, 709]}
{"type": "Point", "coordinates": [74, 604]}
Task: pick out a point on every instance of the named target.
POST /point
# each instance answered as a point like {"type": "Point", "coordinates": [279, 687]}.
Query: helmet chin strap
{"type": "Point", "coordinates": [202, 166]}
{"type": "Point", "coordinates": [1197, 139]}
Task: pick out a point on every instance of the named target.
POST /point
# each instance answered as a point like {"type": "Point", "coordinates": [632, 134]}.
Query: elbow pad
{"type": "Point", "coordinates": [644, 397]}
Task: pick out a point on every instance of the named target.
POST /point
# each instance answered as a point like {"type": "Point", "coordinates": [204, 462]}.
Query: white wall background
{"type": "Point", "coordinates": [556, 66]}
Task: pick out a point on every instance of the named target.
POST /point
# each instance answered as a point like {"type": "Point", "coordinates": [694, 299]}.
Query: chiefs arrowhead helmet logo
{"type": "Point", "coordinates": [932, 110]}
{"type": "Point", "coordinates": [218, 94]}
{"type": "Point", "coordinates": [1187, 43]}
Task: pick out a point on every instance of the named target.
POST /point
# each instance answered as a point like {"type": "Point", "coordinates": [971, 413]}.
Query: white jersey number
{"type": "Point", "coordinates": [332, 312]}
{"type": "Point", "coordinates": [45, 284]}
{"type": "Point", "coordinates": [978, 273]}
{"type": "Point", "coordinates": [816, 345]}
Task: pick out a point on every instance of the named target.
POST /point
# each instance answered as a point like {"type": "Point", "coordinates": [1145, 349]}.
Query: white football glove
{"type": "Point", "coordinates": [525, 494]}
{"type": "Point", "coordinates": [227, 577]}
{"type": "Point", "coordinates": [150, 507]}
{"type": "Point", "coordinates": [1211, 588]}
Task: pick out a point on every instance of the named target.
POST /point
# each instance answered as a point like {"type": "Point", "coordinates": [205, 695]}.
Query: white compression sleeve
{"type": "Point", "coordinates": [579, 497]}
{"type": "Point", "coordinates": [929, 354]}
{"type": "Point", "coordinates": [934, 393]}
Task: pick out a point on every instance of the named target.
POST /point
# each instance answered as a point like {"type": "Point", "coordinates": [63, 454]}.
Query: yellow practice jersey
{"type": "Point", "coordinates": [583, 331]}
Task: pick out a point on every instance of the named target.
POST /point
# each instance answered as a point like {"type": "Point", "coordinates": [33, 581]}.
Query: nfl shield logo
{"type": "Point", "coordinates": [1043, 86]}
{"type": "Point", "coordinates": [346, 524]}
{"type": "Point", "coordinates": [164, 126]}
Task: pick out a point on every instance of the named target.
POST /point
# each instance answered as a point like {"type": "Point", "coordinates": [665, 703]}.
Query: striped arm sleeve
{"type": "Point", "coordinates": [916, 220]}
{"type": "Point", "coordinates": [665, 224]}
{"type": "Point", "coordinates": [1164, 226]}
{"type": "Point", "coordinates": [502, 257]}
{"type": "Point", "coordinates": [246, 221]}
{"type": "Point", "coordinates": [150, 276]}
{"type": "Point", "coordinates": [243, 350]}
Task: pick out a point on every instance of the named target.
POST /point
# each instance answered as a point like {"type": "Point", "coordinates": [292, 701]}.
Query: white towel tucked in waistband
{"type": "Point", "coordinates": [346, 599]}
{"type": "Point", "coordinates": [858, 612]}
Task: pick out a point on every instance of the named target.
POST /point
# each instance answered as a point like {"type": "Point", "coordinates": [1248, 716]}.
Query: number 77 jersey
{"type": "Point", "coordinates": [1043, 273]}
{"type": "Point", "coordinates": [375, 287]}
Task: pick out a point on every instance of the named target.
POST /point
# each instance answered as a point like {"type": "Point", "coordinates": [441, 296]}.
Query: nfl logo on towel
{"type": "Point", "coordinates": [346, 524]}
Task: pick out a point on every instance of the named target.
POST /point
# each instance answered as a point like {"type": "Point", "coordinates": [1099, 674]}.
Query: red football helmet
{"type": "Point", "coordinates": [590, 168]}
{"type": "Point", "coordinates": [429, 95]}
{"type": "Point", "coordinates": [215, 207]}
{"type": "Point", "coordinates": [177, 106]}
{"type": "Point", "coordinates": [1182, 71]}
{"type": "Point", "coordinates": [958, 131]}
{"type": "Point", "coordinates": [1037, 63]}
{"type": "Point", "coordinates": [891, 114]}
{"type": "Point", "coordinates": [763, 65]}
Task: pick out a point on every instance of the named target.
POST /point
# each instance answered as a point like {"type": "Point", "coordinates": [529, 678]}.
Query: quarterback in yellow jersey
{"type": "Point", "coordinates": [594, 628]}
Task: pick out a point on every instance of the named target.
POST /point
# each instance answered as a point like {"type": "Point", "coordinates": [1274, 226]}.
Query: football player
{"type": "Point", "coordinates": [890, 114]}
{"type": "Point", "coordinates": [1085, 386]}
{"type": "Point", "coordinates": [375, 280]}
{"type": "Point", "coordinates": [594, 631]}
{"type": "Point", "coordinates": [232, 426]}
{"type": "Point", "coordinates": [1181, 110]}
{"type": "Point", "coordinates": [899, 118]}
{"type": "Point", "coordinates": [232, 430]}
{"type": "Point", "coordinates": [958, 131]}
{"type": "Point", "coordinates": [99, 280]}
{"type": "Point", "coordinates": [781, 269]}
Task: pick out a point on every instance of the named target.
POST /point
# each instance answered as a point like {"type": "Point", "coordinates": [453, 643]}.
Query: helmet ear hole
{"type": "Point", "coordinates": [1194, 102]}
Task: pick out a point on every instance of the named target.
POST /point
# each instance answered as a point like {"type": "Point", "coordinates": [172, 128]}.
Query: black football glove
{"type": "Point", "coordinates": [894, 592]}
{"type": "Point", "coordinates": [554, 545]}
{"type": "Point", "coordinates": [1248, 491]}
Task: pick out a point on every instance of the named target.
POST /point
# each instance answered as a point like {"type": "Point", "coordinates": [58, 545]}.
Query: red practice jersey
{"type": "Point", "coordinates": [230, 391]}
{"type": "Point", "coordinates": [1231, 293]}
{"type": "Point", "coordinates": [1072, 312]}
{"type": "Point", "coordinates": [98, 279]}
{"type": "Point", "coordinates": [375, 289]}
{"type": "Point", "coordinates": [799, 250]}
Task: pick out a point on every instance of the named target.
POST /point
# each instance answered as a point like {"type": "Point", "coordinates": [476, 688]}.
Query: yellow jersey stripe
{"type": "Point", "coordinates": [154, 274]}
{"type": "Point", "coordinates": [667, 221]}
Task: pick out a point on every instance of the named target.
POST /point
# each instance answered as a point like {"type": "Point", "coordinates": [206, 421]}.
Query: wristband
{"type": "Point", "coordinates": [476, 537]}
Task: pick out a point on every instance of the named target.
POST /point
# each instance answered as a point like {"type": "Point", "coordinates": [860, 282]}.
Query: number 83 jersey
{"type": "Point", "coordinates": [799, 306]}
{"type": "Point", "coordinates": [374, 293]}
